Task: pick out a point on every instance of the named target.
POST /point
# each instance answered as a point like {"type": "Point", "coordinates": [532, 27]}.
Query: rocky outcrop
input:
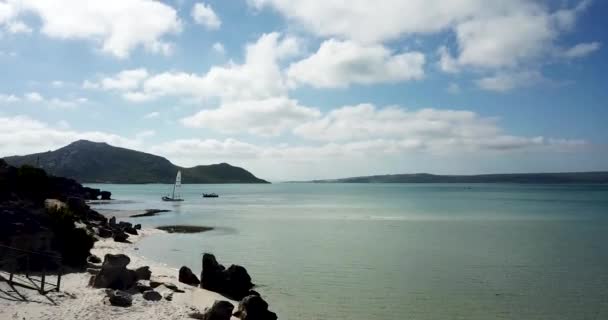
{"type": "Point", "coordinates": [233, 282]}
{"type": "Point", "coordinates": [105, 195]}
{"type": "Point", "coordinates": [186, 276]}
{"type": "Point", "coordinates": [254, 308]}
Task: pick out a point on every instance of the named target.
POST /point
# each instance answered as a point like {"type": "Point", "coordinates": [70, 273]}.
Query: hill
{"type": "Point", "coordinates": [541, 178]}
{"type": "Point", "coordinates": [95, 162]}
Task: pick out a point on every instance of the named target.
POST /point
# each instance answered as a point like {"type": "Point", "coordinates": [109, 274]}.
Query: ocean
{"type": "Point", "coordinates": [396, 251]}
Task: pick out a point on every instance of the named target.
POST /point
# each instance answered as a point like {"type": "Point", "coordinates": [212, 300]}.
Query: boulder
{"type": "Point", "coordinates": [104, 232]}
{"type": "Point", "coordinates": [155, 284]}
{"type": "Point", "coordinates": [114, 273]}
{"type": "Point", "coordinates": [254, 308]}
{"type": "Point", "coordinates": [120, 298]}
{"type": "Point", "coordinates": [234, 282]}
{"type": "Point", "coordinates": [105, 195]}
{"type": "Point", "coordinates": [93, 270]}
{"type": "Point", "coordinates": [120, 236]}
{"type": "Point", "coordinates": [220, 310]}
{"type": "Point", "coordinates": [143, 273]}
{"type": "Point", "coordinates": [137, 226]}
{"type": "Point", "coordinates": [130, 230]}
{"type": "Point", "coordinates": [212, 276]}
{"type": "Point", "coordinates": [152, 295]}
{"type": "Point", "coordinates": [124, 224]}
{"type": "Point", "coordinates": [238, 282]}
{"type": "Point", "coordinates": [186, 276]}
{"type": "Point", "coordinates": [112, 221]}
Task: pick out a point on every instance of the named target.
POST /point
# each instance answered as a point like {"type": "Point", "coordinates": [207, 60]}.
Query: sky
{"type": "Point", "coordinates": [308, 89]}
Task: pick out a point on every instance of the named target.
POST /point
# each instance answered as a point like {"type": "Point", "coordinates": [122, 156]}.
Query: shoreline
{"type": "Point", "coordinates": [78, 301]}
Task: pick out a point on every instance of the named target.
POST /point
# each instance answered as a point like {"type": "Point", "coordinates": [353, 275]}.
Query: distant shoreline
{"type": "Point", "coordinates": [598, 178]}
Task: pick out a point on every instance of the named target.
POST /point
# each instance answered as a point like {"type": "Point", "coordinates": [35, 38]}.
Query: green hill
{"type": "Point", "coordinates": [93, 162]}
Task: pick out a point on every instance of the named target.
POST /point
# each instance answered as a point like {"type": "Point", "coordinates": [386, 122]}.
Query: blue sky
{"type": "Point", "coordinates": [304, 89]}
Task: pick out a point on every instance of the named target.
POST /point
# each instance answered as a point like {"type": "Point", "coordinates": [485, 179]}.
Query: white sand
{"type": "Point", "coordinates": [79, 302]}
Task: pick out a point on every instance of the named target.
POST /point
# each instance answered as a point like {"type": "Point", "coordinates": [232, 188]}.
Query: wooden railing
{"type": "Point", "coordinates": [18, 264]}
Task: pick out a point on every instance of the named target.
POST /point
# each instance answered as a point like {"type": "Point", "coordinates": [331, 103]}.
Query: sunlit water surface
{"type": "Point", "coordinates": [397, 251]}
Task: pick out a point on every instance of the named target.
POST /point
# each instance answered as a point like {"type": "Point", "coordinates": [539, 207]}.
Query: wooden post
{"type": "Point", "coordinates": [42, 280]}
{"type": "Point", "coordinates": [59, 278]}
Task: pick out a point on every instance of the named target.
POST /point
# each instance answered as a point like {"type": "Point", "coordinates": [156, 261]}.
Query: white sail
{"type": "Point", "coordinates": [177, 185]}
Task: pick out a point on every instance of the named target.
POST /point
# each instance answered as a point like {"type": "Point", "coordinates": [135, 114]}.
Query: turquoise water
{"type": "Point", "coordinates": [397, 251]}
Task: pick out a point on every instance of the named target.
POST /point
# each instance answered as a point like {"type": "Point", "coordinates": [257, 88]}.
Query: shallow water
{"type": "Point", "coordinates": [397, 251]}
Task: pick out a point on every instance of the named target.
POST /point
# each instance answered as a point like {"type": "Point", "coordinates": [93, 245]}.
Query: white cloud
{"type": "Point", "coordinates": [337, 64]}
{"type": "Point", "coordinates": [18, 27]}
{"type": "Point", "coordinates": [9, 98]}
{"type": "Point", "coordinates": [34, 97]}
{"type": "Point", "coordinates": [581, 50]}
{"type": "Point", "coordinates": [219, 48]}
{"type": "Point", "coordinates": [267, 117]}
{"type": "Point", "coordinates": [118, 26]}
{"type": "Point", "coordinates": [204, 15]}
{"type": "Point", "coordinates": [152, 115]}
{"type": "Point", "coordinates": [507, 80]}
{"type": "Point", "coordinates": [57, 84]}
{"type": "Point", "coordinates": [124, 80]}
{"type": "Point", "coordinates": [259, 77]}
{"type": "Point", "coordinates": [22, 135]}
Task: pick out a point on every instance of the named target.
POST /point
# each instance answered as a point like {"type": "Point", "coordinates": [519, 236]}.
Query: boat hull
{"type": "Point", "coordinates": [171, 199]}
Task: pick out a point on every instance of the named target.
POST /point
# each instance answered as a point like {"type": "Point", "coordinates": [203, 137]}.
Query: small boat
{"type": "Point", "coordinates": [210, 195]}
{"type": "Point", "coordinates": [176, 187]}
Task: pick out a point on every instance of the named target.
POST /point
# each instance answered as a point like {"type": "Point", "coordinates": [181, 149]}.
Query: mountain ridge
{"type": "Point", "coordinates": [99, 162]}
{"type": "Point", "coordinates": [591, 177]}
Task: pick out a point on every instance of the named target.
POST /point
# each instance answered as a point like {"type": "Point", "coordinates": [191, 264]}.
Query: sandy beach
{"type": "Point", "coordinates": [76, 300]}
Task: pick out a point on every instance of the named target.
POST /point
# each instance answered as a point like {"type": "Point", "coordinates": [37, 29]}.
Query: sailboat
{"type": "Point", "coordinates": [176, 187]}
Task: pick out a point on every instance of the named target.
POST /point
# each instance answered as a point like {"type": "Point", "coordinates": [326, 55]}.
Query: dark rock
{"type": "Point", "coordinates": [184, 229]}
{"type": "Point", "coordinates": [143, 273]}
{"type": "Point", "coordinates": [238, 282]}
{"type": "Point", "coordinates": [234, 282]}
{"type": "Point", "coordinates": [149, 213]}
{"type": "Point", "coordinates": [254, 308]}
{"type": "Point", "coordinates": [186, 276]}
{"type": "Point", "coordinates": [77, 205]}
{"type": "Point", "coordinates": [130, 230]}
{"type": "Point", "coordinates": [93, 259]}
{"type": "Point", "coordinates": [253, 293]}
{"type": "Point", "coordinates": [137, 226]}
{"type": "Point", "coordinates": [220, 310]}
{"type": "Point", "coordinates": [155, 284]}
{"type": "Point", "coordinates": [120, 298]}
{"type": "Point", "coordinates": [173, 287]}
{"type": "Point", "coordinates": [212, 276]}
{"type": "Point", "coordinates": [104, 232]}
{"type": "Point", "coordinates": [142, 286]}
{"type": "Point", "coordinates": [114, 273]}
{"type": "Point", "coordinates": [124, 224]}
{"type": "Point", "coordinates": [93, 270]}
{"type": "Point", "coordinates": [105, 195]}
{"type": "Point", "coordinates": [112, 221]}
{"type": "Point", "coordinates": [196, 315]}
{"type": "Point", "coordinates": [168, 296]}
{"type": "Point", "coordinates": [120, 236]}
{"type": "Point", "coordinates": [91, 193]}
{"type": "Point", "coordinates": [152, 295]}
{"type": "Point", "coordinates": [92, 280]}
